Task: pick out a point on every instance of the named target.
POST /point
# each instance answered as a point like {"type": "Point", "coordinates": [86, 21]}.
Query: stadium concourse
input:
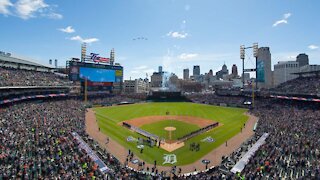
{"type": "Point", "coordinates": [36, 140]}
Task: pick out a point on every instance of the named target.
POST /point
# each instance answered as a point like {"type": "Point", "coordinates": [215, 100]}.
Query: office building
{"type": "Point", "coordinates": [302, 59]}
{"type": "Point", "coordinates": [264, 68]}
{"type": "Point", "coordinates": [234, 71]}
{"type": "Point", "coordinates": [160, 69]}
{"type": "Point", "coordinates": [196, 70]}
{"type": "Point", "coordinates": [283, 71]}
{"type": "Point", "coordinates": [136, 86]}
{"type": "Point", "coordinates": [185, 74]}
{"type": "Point", "coordinates": [224, 71]}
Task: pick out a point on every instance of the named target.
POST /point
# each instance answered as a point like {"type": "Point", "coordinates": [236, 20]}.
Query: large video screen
{"type": "Point", "coordinates": [97, 74]}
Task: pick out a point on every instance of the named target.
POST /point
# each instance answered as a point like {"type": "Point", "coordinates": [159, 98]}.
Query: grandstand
{"type": "Point", "coordinates": [37, 137]}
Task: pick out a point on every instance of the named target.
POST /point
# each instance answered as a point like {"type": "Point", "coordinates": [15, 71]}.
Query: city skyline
{"type": "Point", "coordinates": [173, 34]}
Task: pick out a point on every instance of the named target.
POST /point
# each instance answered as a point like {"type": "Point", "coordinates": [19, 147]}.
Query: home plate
{"type": "Point", "coordinates": [171, 146]}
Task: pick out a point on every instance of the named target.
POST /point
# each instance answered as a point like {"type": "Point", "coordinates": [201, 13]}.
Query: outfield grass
{"type": "Point", "coordinates": [231, 118]}
{"type": "Point", "coordinates": [182, 128]}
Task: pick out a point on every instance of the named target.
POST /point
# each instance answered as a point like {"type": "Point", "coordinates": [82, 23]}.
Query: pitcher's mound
{"type": "Point", "coordinates": [170, 128]}
{"type": "Point", "coordinates": [171, 146]}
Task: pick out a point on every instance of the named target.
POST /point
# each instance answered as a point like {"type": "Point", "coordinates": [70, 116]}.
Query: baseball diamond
{"type": "Point", "coordinates": [185, 117]}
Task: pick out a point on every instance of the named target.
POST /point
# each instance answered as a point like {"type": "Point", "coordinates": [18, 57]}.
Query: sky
{"type": "Point", "coordinates": [175, 34]}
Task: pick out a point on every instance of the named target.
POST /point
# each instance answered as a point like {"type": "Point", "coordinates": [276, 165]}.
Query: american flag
{"type": "Point", "coordinates": [102, 59]}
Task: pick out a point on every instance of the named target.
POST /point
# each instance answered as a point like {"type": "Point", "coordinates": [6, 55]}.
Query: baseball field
{"type": "Point", "coordinates": [183, 117]}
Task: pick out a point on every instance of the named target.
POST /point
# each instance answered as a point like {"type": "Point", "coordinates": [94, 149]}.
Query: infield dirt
{"type": "Point", "coordinates": [138, 122]}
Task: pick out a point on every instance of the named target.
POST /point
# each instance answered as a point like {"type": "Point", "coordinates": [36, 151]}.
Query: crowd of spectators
{"type": "Point", "coordinates": [214, 99]}
{"type": "Point", "coordinates": [292, 151]}
{"type": "Point", "coordinates": [36, 142]}
{"type": "Point", "coordinates": [15, 77]}
{"type": "Point", "coordinates": [300, 85]}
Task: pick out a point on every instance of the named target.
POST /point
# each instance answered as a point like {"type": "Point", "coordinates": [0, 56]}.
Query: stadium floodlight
{"type": "Point", "coordinates": [255, 50]}
{"type": "Point", "coordinates": [242, 52]}
{"type": "Point", "coordinates": [83, 51]}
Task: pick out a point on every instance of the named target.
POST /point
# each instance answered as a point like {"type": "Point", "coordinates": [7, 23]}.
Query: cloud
{"type": "Point", "coordinates": [80, 39]}
{"type": "Point", "coordinates": [177, 34]}
{"type": "Point", "coordinates": [53, 15]}
{"type": "Point", "coordinates": [185, 56]}
{"type": "Point", "coordinates": [4, 5]}
{"type": "Point", "coordinates": [284, 20]}
{"type": "Point", "coordinates": [27, 9]}
{"type": "Point", "coordinates": [68, 29]}
{"type": "Point", "coordinates": [313, 47]}
{"type": "Point", "coordinates": [286, 16]}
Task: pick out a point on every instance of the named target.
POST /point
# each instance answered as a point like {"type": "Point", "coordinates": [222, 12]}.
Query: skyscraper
{"type": "Point", "coordinates": [186, 74]}
{"type": "Point", "coordinates": [196, 70]}
{"type": "Point", "coordinates": [160, 69]}
{"type": "Point", "coordinates": [223, 71]}
{"type": "Point", "coordinates": [264, 74]}
{"type": "Point", "coordinates": [303, 59]}
{"type": "Point", "coordinates": [234, 71]}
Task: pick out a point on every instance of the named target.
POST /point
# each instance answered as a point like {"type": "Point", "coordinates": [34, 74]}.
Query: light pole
{"type": "Point", "coordinates": [255, 48]}
{"type": "Point", "coordinates": [255, 54]}
{"type": "Point", "coordinates": [242, 56]}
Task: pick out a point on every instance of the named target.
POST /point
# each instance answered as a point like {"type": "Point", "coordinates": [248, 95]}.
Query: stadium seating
{"type": "Point", "coordinates": [15, 77]}
{"type": "Point", "coordinates": [300, 85]}
{"type": "Point", "coordinates": [36, 141]}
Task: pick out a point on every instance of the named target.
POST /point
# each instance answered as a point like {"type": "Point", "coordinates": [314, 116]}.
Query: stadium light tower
{"type": "Point", "coordinates": [242, 57]}
{"type": "Point", "coordinates": [255, 48]}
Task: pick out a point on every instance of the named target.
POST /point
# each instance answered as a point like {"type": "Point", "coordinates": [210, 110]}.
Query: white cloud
{"type": "Point", "coordinates": [185, 56]}
{"type": "Point", "coordinates": [4, 5]}
{"type": "Point", "coordinates": [313, 47]}
{"type": "Point", "coordinates": [68, 29]}
{"type": "Point", "coordinates": [287, 15]}
{"type": "Point", "coordinates": [284, 20]}
{"type": "Point", "coordinates": [53, 15]}
{"type": "Point", "coordinates": [177, 34]}
{"type": "Point", "coordinates": [27, 8]}
{"type": "Point", "coordinates": [80, 39]}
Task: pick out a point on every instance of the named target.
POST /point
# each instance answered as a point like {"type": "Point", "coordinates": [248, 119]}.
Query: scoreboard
{"type": "Point", "coordinates": [100, 77]}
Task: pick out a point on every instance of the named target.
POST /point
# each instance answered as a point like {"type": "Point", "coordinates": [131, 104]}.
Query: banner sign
{"type": "Point", "coordinates": [296, 98]}
{"type": "Point", "coordinates": [260, 71]}
{"type": "Point", "coordinates": [240, 165]}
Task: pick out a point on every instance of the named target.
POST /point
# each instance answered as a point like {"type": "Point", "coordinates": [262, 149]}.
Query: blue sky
{"type": "Point", "coordinates": [180, 33]}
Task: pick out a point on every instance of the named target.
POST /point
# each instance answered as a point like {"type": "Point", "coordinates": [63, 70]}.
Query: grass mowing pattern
{"type": "Point", "coordinates": [231, 118]}
{"type": "Point", "coordinates": [182, 128]}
